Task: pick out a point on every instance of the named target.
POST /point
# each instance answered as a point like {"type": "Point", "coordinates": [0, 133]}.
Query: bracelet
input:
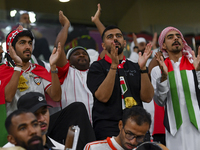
{"type": "Point", "coordinates": [144, 71]}
{"type": "Point", "coordinates": [55, 71]}
{"type": "Point", "coordinates": [17, 69]}
{"type": "Point", "coordinates": [113, 68]}
{"type": "Point", "coordinates": [19, 65]}
{"type": "Point", "coordinates": [135, 47]}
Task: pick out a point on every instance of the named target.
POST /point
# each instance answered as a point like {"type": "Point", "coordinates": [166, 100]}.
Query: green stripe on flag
{"type": "Point", "coordinates": [124, 88]}
{"type": "Point", "coordinates": [175, 99]}
{"type": "Point", "coordinates": [3, 132]}
{"type": "Point", "coordinates": [188, 98]}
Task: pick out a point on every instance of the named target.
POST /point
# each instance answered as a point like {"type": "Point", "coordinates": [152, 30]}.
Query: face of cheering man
{"type": "Point", "coordinates": [23, 48]}
{"type": "Point", "coordinates": [173, 43]}
{"type": "Point", "coordinates": [79, 59]}
{"type": "Point", "coordinates": [25, 18]}
{"type": "Point", "coordinates": [116, 36]}
{"type": "Point", "coordinates": [131, 134]}
{"type": "Point", "coordinates": [141, 47]}
{"type": "Point", "coordinates": [42, 115]}
{"type": "Point", "coordinates": [25, 132]}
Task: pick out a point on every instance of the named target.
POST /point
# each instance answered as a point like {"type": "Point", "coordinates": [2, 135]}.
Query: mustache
{"type": "Point", "coordinates": [27, 50]}
{"type": "Point", "coordinates": [43, 123]}
{"type": "Point", "coordinates": [116, 42]}
{"type": "Point", "coordinates": [176, 42]}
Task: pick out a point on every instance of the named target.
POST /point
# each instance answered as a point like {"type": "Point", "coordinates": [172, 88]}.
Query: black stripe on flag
{"type": "Point", "coordinates": [196, 87]}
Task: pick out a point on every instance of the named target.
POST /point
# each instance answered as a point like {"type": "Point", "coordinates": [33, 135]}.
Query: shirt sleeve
{"type": "Point", "coordinates": [95, 76]}
{"type": "Point", "coordinates": [160, 88]}
{"type": "Point", "coordinates": [46, 84]}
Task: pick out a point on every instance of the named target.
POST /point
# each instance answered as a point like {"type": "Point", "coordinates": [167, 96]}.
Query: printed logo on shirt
{"type": "Point", "coordinates": [37, 80]}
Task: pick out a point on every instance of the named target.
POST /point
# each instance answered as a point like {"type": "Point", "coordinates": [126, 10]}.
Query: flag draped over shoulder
{"type": "Point", "coordinates": [187, 88]}
{"type": "Point", "coordinates": [6, 73]}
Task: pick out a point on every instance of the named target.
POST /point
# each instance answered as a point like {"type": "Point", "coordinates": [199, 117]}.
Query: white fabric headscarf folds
{"type": "Point", "coordinates": [187, 51]}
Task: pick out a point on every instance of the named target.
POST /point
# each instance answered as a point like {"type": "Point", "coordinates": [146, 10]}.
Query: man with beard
{"type": "Point", "coordinates": [139, 46]}
{"type": "Point", "coordinates": [35, 102]}
{"type": "Point", "coordinates": [176, 83]}
{"type": "Point", "coordinates": [116, 83]}
{"type": "Point", "coordinates": [19, 76]}
{"type": "Point", "coordinates": [24, 130]}
{"type": "Point", "coordinates": [133, 126]}
{"type": "Point", "coordinates": [73, 71]}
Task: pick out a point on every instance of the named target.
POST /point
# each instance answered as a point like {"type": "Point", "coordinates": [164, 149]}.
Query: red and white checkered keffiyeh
{"type": "Point", "coordinates": [187, 51]}
{"type": "Point", "coordinates": [11, 37]}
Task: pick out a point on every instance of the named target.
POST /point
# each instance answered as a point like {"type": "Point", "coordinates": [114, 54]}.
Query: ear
{"type": "Point", "coordinates": [124, 43]}
{"type": "Point", "coordinates": [103, 45]}
{"type": "Point", "coordinates": [11, 139]}
{"type": "Point", "coordinates": [120, 125]}
{"type": "Point", "coordinates": [164, 46]}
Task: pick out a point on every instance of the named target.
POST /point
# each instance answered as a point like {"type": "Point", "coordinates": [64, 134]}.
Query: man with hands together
{"type": "Point", "coordinates": [116, 83]}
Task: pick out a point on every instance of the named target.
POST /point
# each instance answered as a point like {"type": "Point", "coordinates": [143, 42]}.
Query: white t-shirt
{"type": "Point", "coordinates": [34, 83]}
{"type": "Point", "coordinates": [74, 89]}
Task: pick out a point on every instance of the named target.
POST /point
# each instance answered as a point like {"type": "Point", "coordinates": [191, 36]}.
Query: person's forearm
{"type": "Point", "coordinates": [11, 87]}
{"type": "Point", "coordinates": [55, 90]}
{"type": "Point", "coordinates": [147, 91]}
{"type": "Point", "coordinates": [105, 90]}
{"type": "Point", "coordinates": [62, 38]}
{"type": "Point", "coordinates": [99, 26]}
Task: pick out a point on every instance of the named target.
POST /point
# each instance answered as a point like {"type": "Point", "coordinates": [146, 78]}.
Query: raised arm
{"type": "Point", "coordinates": [96, 20]}
{"type": "Point", "coordinates": [11, 87]}
{"type": "Point", "coordinates": [154, 41]}
{"type": "Point", "coordinates": [99, 25]}
{"type": "Point", "coordinates": [62, 37]}
{"type": "Point", "coordinates": [104, 92]}
{"type": "Point", "coordinates": [147, 91]}
{"type": "Point", "coordinates": [54, 91]}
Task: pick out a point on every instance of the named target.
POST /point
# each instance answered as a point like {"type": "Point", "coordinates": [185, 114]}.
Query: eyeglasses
{"type": "Point", "coordinates": [130, 136]}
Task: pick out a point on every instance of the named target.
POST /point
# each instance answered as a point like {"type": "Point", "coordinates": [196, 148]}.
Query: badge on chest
{"type": "Point", "coordinates": [37, 80]}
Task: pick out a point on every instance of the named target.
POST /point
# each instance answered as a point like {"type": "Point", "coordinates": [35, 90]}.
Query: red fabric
{"type": "Point", "coordinates": [62, 72]}
{"type": "Point", "coordinates": [6, 73]}
{"type": "Point", "coordinates": [159, 127]}
{"type": "Point", "coordinates": [11, 37]}
{"type": "Point", "coordinates": [108, 59]}
{"type": "Point", "coordinates": [110, 143]}
{"type": "Point", "coordinates": [99, 58]}
{"type": "Point", "coordinates": [184, 65]}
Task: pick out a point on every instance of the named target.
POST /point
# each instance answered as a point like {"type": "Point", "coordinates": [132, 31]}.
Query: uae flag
{"type": "Point", "coordinates": [123, 85]}
{"type": "Point", "coordinates": [183, 87]}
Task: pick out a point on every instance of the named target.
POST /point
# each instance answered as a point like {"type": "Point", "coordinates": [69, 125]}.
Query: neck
{"type": "Point", "coordinates": [117, 139]}
{"type": "Point", "coordinates": [175, 57]}
{"type": "Point", "coordinates": [25, 65]}
{"type": "Point", "coordinates": [44, 139]}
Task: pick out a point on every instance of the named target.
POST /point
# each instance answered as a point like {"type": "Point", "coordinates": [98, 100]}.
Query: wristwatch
{"type": "Point", "coordinates": [144, 71]}
{"type": "Point", "coordinates": [55, 71]}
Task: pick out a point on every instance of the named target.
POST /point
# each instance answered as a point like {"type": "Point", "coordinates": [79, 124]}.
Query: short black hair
{"type": "Point", "coordinates": [8, 121]}
{"type": "Point", "coordinates": [27, 33]}
{"type": "Point", "coordinates": [109, 28]}
{"type": "Point", "coordinates": [137, 114]}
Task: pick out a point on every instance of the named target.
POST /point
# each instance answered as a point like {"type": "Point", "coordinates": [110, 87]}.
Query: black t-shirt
{"type": "Point", "coordinates": [106, 116]}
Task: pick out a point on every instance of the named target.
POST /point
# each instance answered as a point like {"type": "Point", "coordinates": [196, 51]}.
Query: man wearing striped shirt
{"type": "Point", "coordinates": [175, 82]}
{"type": "Point", "coordinates": [134, 125]}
